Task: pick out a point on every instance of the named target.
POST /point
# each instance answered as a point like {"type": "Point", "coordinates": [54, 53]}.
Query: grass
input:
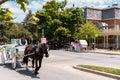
{"type": "Point", "coordinates": [115, 50]}
{"type": "Point", "coordinates": [103, 69]}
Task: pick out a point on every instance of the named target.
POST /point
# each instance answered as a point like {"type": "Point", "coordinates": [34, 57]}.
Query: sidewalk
{"type": "Point", "coordinates": [104, 51]}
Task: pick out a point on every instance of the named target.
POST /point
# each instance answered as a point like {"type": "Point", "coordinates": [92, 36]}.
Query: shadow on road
{"type": "Point", "coordinates": [7, 65]}
{"type": "Point", "coordinates": [21, 70]}
{"type": "Point", "coordinates": [27, 73]}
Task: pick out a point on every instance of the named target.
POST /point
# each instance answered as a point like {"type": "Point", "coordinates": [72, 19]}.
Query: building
{"type": "Point", "coordinates": [109, 19]}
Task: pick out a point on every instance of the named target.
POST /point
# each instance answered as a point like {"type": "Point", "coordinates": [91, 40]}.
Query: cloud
{"type": "Point", "coordinates": [37, 5]}
{"type": "Point", "coordinates": [96, 3]}
{"type": "Point", "coordinates": [15, 9]}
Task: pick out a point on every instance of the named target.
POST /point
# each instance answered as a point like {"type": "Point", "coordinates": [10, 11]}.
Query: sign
{"type": "Point", "coordinates": [43, 40]}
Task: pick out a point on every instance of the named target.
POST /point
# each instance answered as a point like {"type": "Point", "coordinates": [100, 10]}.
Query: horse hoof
{"type": "Point", "coordinates": [26, 68]}
{"type": "Point", "coordinates": [36, 73]}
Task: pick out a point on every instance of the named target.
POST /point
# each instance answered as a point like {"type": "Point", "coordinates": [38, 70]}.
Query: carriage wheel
{"type": "Point", "coordinates": [2, 58]}
{"type": "Point", "coordinates": [14, 62]}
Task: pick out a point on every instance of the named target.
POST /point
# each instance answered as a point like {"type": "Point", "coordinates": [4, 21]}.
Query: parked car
{"type": "Point", "coordinates": [54, 44]}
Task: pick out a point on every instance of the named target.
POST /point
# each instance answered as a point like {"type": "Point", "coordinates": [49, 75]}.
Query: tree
{"type": "Point", "coordinates": [27, 17]}
{"type": "Point", "coordinates": [5, 21]}
{"type": "Point", "coordinates": [62, 32]}
{"type": "Point", "coordinates": [54, 14]}
{"type": "Point", "coordinates": [30, 23]}
{"type": "Point", "coordinates": [88, 31]}
{"type": "Point", "coordinates": [72, 19]}
{"type": "Point", "coordinates": [20, 2]}
{"type": "Point", "coordinates": [17, 30]}
{"type": "Point", "coordinates": [49, 18]}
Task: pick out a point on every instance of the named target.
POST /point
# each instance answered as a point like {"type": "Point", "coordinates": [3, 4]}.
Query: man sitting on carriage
{"type": "Point", "coordinates": [23, 41]}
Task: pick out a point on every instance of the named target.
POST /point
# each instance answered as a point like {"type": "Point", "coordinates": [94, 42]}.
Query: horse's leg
{"type": "Point", "coordinates": [40, 62]}
{"type": "Point", "coordinates": [33, 62]}
{"type": "Point", "coordinates": [38, 66]}
{"type": "Point", "coordinates": [25, 60]}
{"type": "Point", "coordinates": [26, 63]}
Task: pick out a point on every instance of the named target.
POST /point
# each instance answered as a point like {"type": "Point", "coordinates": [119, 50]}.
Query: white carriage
{"type": "Point", "coordinates": [79, 46]}
{"type": "Point", "coordinates": [12, 53]}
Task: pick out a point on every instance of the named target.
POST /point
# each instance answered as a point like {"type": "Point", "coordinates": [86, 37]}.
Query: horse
{"type": "Point", "coordinates": [29, 52]}
{"type": "Point", "coordinates": [36, 53]}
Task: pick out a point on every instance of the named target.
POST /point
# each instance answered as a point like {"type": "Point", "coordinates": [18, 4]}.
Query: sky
{"type": "Point", "coordinates": [35, 5]}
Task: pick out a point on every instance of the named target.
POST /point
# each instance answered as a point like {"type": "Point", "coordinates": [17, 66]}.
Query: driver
{"type": "Point", "coordinates": [23, 41]}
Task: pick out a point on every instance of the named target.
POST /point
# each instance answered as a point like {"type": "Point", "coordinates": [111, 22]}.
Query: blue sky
{"type": "Point", "coordinates": [35, 5]}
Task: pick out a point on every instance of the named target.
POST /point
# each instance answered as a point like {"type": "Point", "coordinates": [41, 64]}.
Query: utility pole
{"type": "Point", "coordinates": [43, 33]}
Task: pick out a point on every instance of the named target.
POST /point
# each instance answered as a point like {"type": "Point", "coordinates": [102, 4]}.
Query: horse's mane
{"type": "Point", "coordinates": [43, 46]}
{"type": "Point", "coordinates": [30, 48]}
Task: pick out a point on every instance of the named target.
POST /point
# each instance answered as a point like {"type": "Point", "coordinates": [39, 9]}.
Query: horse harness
{"type": "Point", "coordinates": [36, 50]}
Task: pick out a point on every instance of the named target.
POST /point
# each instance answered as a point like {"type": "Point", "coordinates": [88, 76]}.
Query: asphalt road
{"type": "Point", "coordinates": [59, 66]}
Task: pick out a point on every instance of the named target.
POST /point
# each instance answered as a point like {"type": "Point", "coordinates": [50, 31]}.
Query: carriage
{"type": "Point", "coordinates": [16, 53]}
{"type": "Point", "coordinates": [12, 53]}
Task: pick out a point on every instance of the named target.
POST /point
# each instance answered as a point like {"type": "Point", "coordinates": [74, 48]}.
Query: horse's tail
{"type": "Point", "coordinates": [25, 51]}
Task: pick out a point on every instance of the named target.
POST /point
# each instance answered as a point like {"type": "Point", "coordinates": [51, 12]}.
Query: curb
{"type": "Point", "coordinates": [107, 53]}
{"type": "Point", "coordinates": [98, 72]}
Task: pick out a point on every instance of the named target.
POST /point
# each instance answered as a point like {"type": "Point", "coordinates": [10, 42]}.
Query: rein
{"type": "Point", "coordinates": [29, 54]}
{"type": "Point", "coordinates": [37, 50]}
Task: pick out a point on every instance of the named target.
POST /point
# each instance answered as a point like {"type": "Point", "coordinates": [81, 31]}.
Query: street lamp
{"type": "Point", "coordinates": [43, 33]}
{"type": "Point", "coordinates": [86, 36]}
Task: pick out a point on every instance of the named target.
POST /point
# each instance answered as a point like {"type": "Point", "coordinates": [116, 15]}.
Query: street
{"type": "Point", "coordinates": [59, 66]}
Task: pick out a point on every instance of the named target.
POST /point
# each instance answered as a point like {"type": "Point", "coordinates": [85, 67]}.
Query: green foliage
{"type": "Point", "coordinates": [27, 17]}
{"type": "Point", "coordinates": [62, 32]}
{"type": "Point", "coordinates": [72, 19]}
{"type": "Point", "coordinates": [88, 30]}
{"type": "Point", "coordinates": [63, 4]}
{"type": "Point", "coordinates": [103, 69]}
{"type": "Point", "coordinates": [49, 18]}
{"type": "Point", "coordinates": [22, 3]}
{"type": "Point", "coordinates": [19, 30]}
{"type": "Point", "coordinates": [51, 6]}
{"type": "Point", "coordinates": [30, 23]}
{"type": "Point", "coordinates": [5, 22]}
{"type": "Point", "coordinates": [5, 14]}
{"type": "Point", "coordinates": [54, 14]}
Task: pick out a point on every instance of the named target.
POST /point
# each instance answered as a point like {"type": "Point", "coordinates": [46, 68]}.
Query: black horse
{"type": "Point", "coordinates": [36, 53]}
